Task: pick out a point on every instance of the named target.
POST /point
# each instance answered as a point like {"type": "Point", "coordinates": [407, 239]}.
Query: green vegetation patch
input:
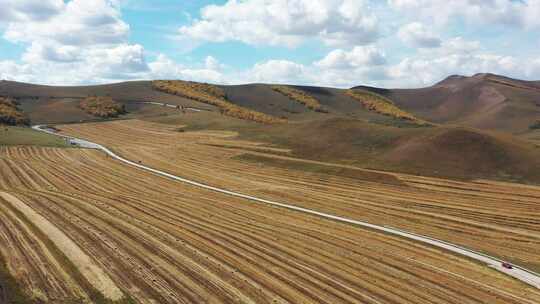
{"type": "Point", "coordinates": [212, 95]}
{"type": "Point", "coordinates": [24, 136]}
{"type": "Point", "coordinates": [300, 96]}
{"type": "Point", "coordinates": [10, 114]}
{"type": "Point", "coordinates": [102, 106]}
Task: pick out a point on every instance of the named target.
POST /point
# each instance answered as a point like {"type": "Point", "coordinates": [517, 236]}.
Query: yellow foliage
{"type": "Point", "coordinates": [212, 95]}
{"type": "Point", "coordinates": [10, 114]}
{"type": "Point", "coordinates": [102, 106]}
{"type": "Point", "coordinates": [300, 96]}
{"type": "Point", "coordinates": [382, 105]}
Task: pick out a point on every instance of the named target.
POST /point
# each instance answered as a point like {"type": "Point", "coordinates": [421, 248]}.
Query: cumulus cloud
{"type": "Point", "coordinates": [281, 71]}
{"type": "Point", "coordinates": [165, 68]}
{"type": "Point", "coordinates": [359, 56]}
{"type": "Point", "coordinates": [412, 72]}
{"type": "Point", "coordinates": [24, 10]}
{"type": "Point", "coordinates": [522, 13]}
{"type": "Point", "coordinates": [285, 22]}
{"type": "Point", "coordinates": [77, 23]}
{"type": "Point", "coordinates": [72, 42]}
{"type": "Point", "coordinates": [415, 34]}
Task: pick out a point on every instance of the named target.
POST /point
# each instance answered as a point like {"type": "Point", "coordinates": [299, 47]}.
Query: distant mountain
{"type": "Point", "coordinates": [484, 101]}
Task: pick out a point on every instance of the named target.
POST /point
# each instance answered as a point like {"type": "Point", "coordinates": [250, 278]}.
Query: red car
{"type": "Point", "coordinates": [507, 265]}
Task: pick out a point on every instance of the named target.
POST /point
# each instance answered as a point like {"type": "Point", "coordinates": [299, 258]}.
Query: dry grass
{"type": "Point", "coordinates": [300, 96]}
{"type": "Point", "coordinates": [465, 213]}
{"type": "Point", "coordinates": [212, 95]}
{"type": "Point", "coordinates": [10, 113]}
{"type": "Point", "coordinates": [166, 242]}
{"type": "Point", "coordinates": [382, 105]}
{"type": "Point", "coordinates": [102, 106]}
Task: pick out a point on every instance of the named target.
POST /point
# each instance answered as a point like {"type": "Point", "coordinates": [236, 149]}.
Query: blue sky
{"type": "Point", "coordinates": [341, 43]}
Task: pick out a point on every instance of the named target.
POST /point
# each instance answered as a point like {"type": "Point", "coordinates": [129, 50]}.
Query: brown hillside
{"type": "Point", "coordinates": [483, 101]}
{"type": "Point", "coordinates": [467, 152]}
{"type": "Point", "coordinates": [436, 151]}
{"type": "Point", "coordinates": [212, 95]}
{"type": "Point", "coordinates": [382, 105]}
{"type": "Point", "coordinates": [300, 96]}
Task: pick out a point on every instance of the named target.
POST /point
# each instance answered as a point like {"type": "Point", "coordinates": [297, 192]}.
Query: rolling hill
{"type": "Point", "coordinates": [471, 127]}
{"type": "Point", "coordinates": [483, 101]}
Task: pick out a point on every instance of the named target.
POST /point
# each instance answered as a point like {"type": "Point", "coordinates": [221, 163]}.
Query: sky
{"type": "Point", "coordinates": [336, 43]}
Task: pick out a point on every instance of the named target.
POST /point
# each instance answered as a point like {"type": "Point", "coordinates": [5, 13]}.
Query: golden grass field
{"type": "Point", "coordinates": [160, 241]}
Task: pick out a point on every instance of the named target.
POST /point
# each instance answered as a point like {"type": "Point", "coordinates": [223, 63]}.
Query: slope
{"type": "Point", "coordinates": [484, 101]}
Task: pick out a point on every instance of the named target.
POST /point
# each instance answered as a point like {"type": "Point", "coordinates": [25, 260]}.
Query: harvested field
{"type": "Point", "coordinates": [496, 218]}
{"type": "Point", "coordinates": [162, 241]}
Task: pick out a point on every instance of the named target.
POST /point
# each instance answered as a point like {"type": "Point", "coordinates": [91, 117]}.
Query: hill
{"type": "Point", "coordinates": [483, 101]}
{"type": "Point", "coordinates": [452, 129]}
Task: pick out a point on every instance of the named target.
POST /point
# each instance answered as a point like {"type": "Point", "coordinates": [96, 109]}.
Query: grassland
{"type": "Point", "coordinates": [300, 96]}
{"type": "Point", "coordinates": [24, 136]}
{"type": "Point", "coordinates": [214, 96]}
{"type": "Point", "coordinates": [492, 217]}
{"type": "Point", "coordinates": [10, 114]}
{"type": "Point", "coordinates": [102, 106]}
{"type": "Point", "coordinates": [382, 105]}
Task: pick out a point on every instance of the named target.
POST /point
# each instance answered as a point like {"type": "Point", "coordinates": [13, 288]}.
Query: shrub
{"type": "Point", "coordinates": [382, 105]}
{"type": "Point", "coordinates": [212, 95]}
{"type": "Point", "coordinates": [535, 126]}
{"type": "Point", "coordinates": [10, 114]}
{"type": "Point", "coordinates": [300, 96]}
{"type": "Point", "coordinates": [104, 107]}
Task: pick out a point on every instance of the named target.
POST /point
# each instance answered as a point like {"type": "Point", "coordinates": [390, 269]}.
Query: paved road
{"type": "Point", "coordinates": [517, 272]}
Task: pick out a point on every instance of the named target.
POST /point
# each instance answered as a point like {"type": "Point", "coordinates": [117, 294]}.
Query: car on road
{"type": "Point", "coordinates": [507, 265]}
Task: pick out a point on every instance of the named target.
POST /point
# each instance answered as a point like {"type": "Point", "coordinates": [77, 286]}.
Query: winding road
{"type": "Point", "coordinates": [517, 272]}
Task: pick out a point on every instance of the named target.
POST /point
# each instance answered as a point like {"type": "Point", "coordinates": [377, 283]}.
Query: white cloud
{"type": "Point", "coordinates": [414, 72]}
{"type": "Point", "coordinates": [11, 70]}
{"type": "Point", "coordinates": [79, 41]}
{"type": "Point", "coordinates": [415, 34]}
{"type": "Point", "coordinates": [21, 10]}
{"type": "Point", "coordinates": [280, 71]}
{"type": "Point", "coordinates": [212, 63]}
{"type": "Point", "coordinates": [78, 22]}
{"type": "Point", "coordinates": [523, 13]}
{"type": "Point", "coordinates": [165, 68]}
{"type": "Point", "coordinates": [285, 22]}
{"type": "Point", "coordinates": [359, 56]}
{"type": "Point", "coordinates": [458, 45]}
